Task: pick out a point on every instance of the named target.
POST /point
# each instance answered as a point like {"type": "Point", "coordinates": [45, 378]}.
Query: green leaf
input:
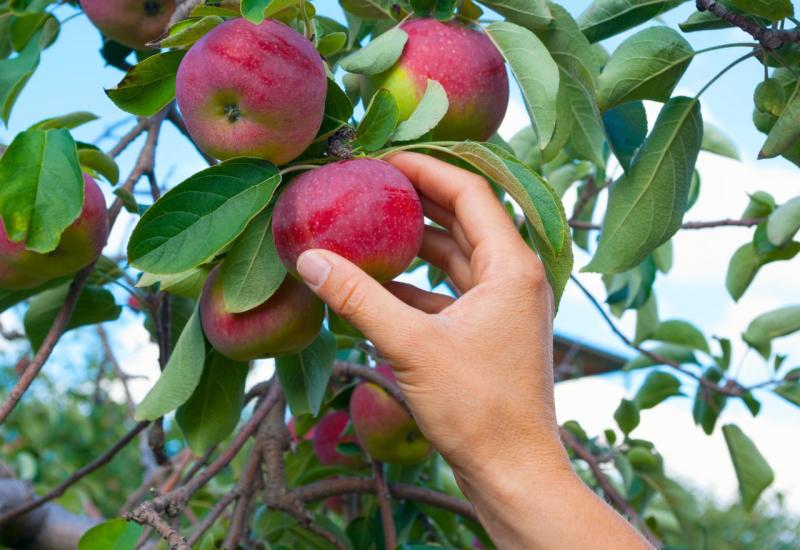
{"type": "Point", "coordinates": [114, 534]}
{"type": "Point", "coordinates": [605, 18]}
{"type": "Point", "coordinates": [331, 43]}
{"type": "Point", "coordinates": [97, 162]}
{"type": "Point", "coordinates": [647, 65]}
{"type": "Point", "coordinates": [253, 10]}
{"type": "Point", "coordinates": [10, 298]}
{"type": "Point", "coordinates": [761, 204]}
{"type": "Point", "coordinates": [789, 391]}
{"type": "Point", "coordinates": [679, 354]}
{"type": "Point", "coordinates": [305, 376]}
{"type": "Point", "coordinates": [187, 284]}
{"type": "Point", "coordinates": [784, 222]}
{"type": "Point", "coordinates": [682, 504]}
{"type": "Point", "coordinates": [682, 333]}
{"type": "Point", "coordinates": [149, 86]}
{"type": "Point", "coordinates": [189, 31]}
{"type": "Point", "coordinates": [627, 416]}
{"type": "Point", "coordinates": [252, 270]}
{"type": "Point", "coordinates": [646, 206]}
{"type": "Point", "coordinates": [181, 375]}
{"type": "Point", "coordinates": [531, 14]}
{"type": "Point", "coordinates": [587, 137]}
{"type": "Point", "coordinates": [195, 220]}
{"type": "Point", "coordinates": [42, 188]}
{"type": "Point", "coordinates": [213, 410]}
{"type": "Point", "coordinates": [746, 262]}
{"type": "Point", "coordinates": [786, 130]}
{"type": "Point", "coordinates": [646, 319]}
{"type": "Point", "coordinates": [768, 9]}
{"type": "Point", "coordinates": [626, 128]}
{"type": "Point", "coordinates": [570, 49]}
{"type": "Point", "coordinates": [768, 326]}
{"type": "Point", "coordinates": [657, 387]}
{"type": "Point", "coordinates": [714, 141]}
{"type": "Point", "coordinates": [535, 71]}
{"type": "Point", "coordinates": [338, 109]}
{"type": "Point", "coordinates": [95, 305]}
{"type": "Point", "coordinates": [752, 470]}
{"type": "Point", "coordinates": [379, 121]}
{"type": "Point", "coordinates": [430, 110]}
{"type": "Point", "coordinates": [14, 74]}
{"type": "Point", "coordinates": [68, 121]}
{"type": "Point", "coordinates": [538, 201]}
{"type": "Point", "coordinates": [703, 21]}
{"type": "Point", "coordinates": [377, 56]}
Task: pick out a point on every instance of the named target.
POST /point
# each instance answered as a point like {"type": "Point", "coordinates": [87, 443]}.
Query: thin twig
{"type": "Point", "coordinates": [363, 485]}
{"type": "Point", "coordinates": [605, 484]}
{"type": "Point", "coordinates": [747, 222]}
{"type": "Point", "coordinates": [769, 38]}
{"type": "Point", "coordinates": [146, 514]}
{"type": "Point", "coordinates": [57, 328]}
{"type": "Point", "coordinates": [212, 516]}
{"type": "Point", "coordinates": [385, 506]}
{"type": "Point", "coordinates": [79, 474]}
{"type": "Point", "coordinates": [343, 368]}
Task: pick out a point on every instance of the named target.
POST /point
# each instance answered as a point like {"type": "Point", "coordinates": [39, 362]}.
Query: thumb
{"type": "Point", "coordinates": [357, 297]}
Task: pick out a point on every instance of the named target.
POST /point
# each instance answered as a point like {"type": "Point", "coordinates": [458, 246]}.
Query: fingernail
{"type": "Point", "coordinates": [313, 268]}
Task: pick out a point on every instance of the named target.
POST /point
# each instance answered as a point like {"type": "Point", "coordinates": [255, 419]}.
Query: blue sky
{"type": "Point", "coordinates": [72, 77]}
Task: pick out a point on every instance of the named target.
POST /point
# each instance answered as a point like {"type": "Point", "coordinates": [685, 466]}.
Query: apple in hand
{"type": "Point", "coordinates": [249, 90]}
{"type": "Point", "coordinates": [330, 432]}
{"type": "Point", "coordinates": [81, 243]}
{"type": "Point", "coordinates": [286, 323]}
{"type": "Point", "coordinates": [384, 428]}
{"type": "Point", "coordinates": [365, 210]}
{"type": "Point", "coordinates": [467, 65]}
{"type": "Point", "coordinates": [132, 23]}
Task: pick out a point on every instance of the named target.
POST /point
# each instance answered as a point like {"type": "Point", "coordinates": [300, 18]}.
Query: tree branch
{"type": "Point", "coordinates": [385, 506]}
{"type": "Point", "coordinates": [732, 388]}
{"type": "Point", "coordinates": [146, 514]}
{"type": "Point", "coordinates": [177, 120]}
{"type": "Point", "coordinates": [747, 222]}
{"type": "Point", "coordinates": [608, 488]}
{"type": "Point", "coordinates": [769, 38]}
{"type": "Point", "coordinates": [343, 368]}
{"type": "Point", "coordinates": [43, 354]}
{"type": "Point", "coordinates": [76, 476]}
{"type": "Point", "coordinates": [212, 516]}
{"type": "Point", "coordinates": [363, 485]}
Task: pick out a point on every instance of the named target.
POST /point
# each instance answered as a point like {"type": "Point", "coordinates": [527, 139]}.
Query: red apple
{"type": "Point", "coordinates": [81, 243]}
{"type": "Point", "coordinates": [330, 432]}
{"type": "Point", "coordinates": [386, 431]}
{"type": "Point", "coordinates": [250, 90]}
{"type": "Point", "coordinates": [365, 210]}
{"type": "Point", "coordinates": [285, 324]}
{"type": "Point", "coordinates": [132, 23]}
{"type": "Point", "coordinates": [467, 65]}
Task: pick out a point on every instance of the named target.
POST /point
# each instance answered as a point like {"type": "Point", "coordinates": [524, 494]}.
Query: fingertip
{"type": "Point", "coordinates": [314, 268]}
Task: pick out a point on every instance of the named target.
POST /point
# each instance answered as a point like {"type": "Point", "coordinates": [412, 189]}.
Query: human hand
{"type": "Point", "coordinates": [476, 371]}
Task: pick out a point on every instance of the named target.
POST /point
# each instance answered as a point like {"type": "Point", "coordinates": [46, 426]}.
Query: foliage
{"type": "Point", "coordinates": [587, 117]}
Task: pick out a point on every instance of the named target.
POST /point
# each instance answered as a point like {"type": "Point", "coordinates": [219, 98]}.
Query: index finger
{"type": "Point", "coordinates": [463, 193]}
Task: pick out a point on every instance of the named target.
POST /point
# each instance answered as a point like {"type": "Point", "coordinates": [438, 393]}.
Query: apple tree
{"type": "Point", "coordinates": [293, 112]}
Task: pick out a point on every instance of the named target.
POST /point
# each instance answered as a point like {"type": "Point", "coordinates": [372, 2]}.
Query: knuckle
{"type": "Point", "coordinates": [352, 298]}
{"type": "Point", "coordinates": [530, 273]}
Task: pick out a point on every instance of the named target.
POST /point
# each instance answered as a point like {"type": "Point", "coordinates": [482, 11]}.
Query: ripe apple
{"type": "Point", "coordinates": [286, 323]}
{"type": "Point", "coordinates": [80, 244]}
{"type": "Point", "coordinates": [364, 209]}
{"type": "Point", "coordinates": [250, 90]}
{"type": "Point", "coordinates": [386, 431]}
{"type": "Point", "coordinates": [467, 65]}
{"type": "Point", "coordinates": [132, 23]}
{"type": "Point", "coordinates": [330, 432]}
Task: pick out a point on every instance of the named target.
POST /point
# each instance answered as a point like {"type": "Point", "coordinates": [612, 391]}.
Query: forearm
{"type": "Point", "coordinates": [543, 504]}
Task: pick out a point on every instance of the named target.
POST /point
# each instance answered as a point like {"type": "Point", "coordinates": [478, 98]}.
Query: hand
{"type": "Point", "coordinates": [477, 370]}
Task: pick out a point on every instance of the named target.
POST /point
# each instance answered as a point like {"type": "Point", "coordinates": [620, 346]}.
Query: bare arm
{"type": "Point", "coordinates": [477, 371]}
